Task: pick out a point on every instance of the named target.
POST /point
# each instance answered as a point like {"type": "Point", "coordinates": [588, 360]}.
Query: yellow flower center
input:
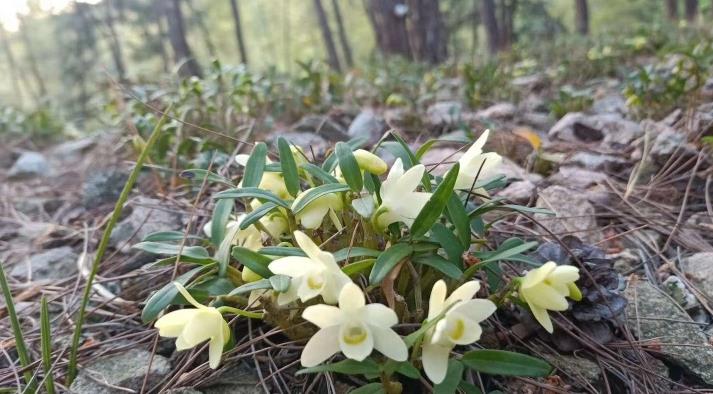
{"type": "Point", "coordinates": [354, 335]}
{"type": "Point", "coordinates": [458, 330]}
{"type": "Point", "coordinates": [315, 282]}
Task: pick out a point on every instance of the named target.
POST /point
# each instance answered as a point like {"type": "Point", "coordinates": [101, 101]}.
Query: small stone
{"type": "Point", "coordinates": [626, 261]}
{"type": "Point", "coordinates": [539, 120]}
{"type": "Point", "coordinates": [699, 268]}
{"type": "Point", "coordinates": [519, 192]}
{"type": "Point", "coordinates": [309, 142]}
{"type": "Point", "coordinates": [323, 126]}
{"type": "Point", "coordinates": [237, 379]}
{"type": "Point", "coordinates": [598, 161]}
{"type": "Point", "coordinates": [444, 113]}
{"type": "Point", "coordinates": [103, 187]}
{"type": "Point", "coordinates": [609, 103]}
{"type": "Point", "coordinates": [574, 214]}
{"type": "Point", "coordinates": [502, 111]}
{"type": "Point", "coordinates": [578, 368]}
{"type": "Point", "coordinates": [674, 287]}
{"type": "Point", "coordinates": [121, 373]}
{"type": "Point", "coordinates": [512, 170]}
{"type": "Point", "coordinates": [368, 124]}
{"type": "Point", "coordinates": [564, 128]}
{"type": "Point", "coordinates": [653, 316]}
{"type": "Point", "coordinates": [72, 150]}
{"type": "Point", "coordinates": [58, 263]}
{"type": "Point", "coordinates": [29, 164]}
{"type": "Point", "coordinates": [146, 217]}
{"type": "Point", "coordinates": [577, 178]}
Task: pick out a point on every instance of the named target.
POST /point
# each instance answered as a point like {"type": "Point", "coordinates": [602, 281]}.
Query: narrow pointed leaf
{"type": "Point", "coordinates": [387, 261]}
{"type": "Point", "coordinates": [435, 205]}
{"type": "Point", "coordinates": [349, 166]}
{"type": "Point", "coordinates": [255, 166]}
{"type": "Point", "coordinates": [253, 260]}
{"type": "Point", "coordinates": [501, 362]}
{"type": "Point", "coordinates": [257, 214]}
{"type": "Point", "coordinates": [252, 192]}
{"type": "Point", "coordinates": [221, 215]}
{"type": "Point", "coordinates": [289, 167]}
{"type": "Point", "coordinates": [315, 193]}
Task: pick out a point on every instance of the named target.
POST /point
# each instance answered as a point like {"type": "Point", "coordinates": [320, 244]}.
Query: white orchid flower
{"type": "Point", "coordinates": [476, 163]}
{"type": "Point", "coordinates": [545, 288]}
{"type": "Point", "coordinates": [354, 328]}
{"type": "Point", "coordinates": [314, 275]}
{"type": "Point", "coordinates": [313, 214]}
{"type": "Point", "coordinates": [274, 222]}
{"type": "Point", "coordinates": [194, 326]}
{"type": "Point", "coordinates": [459, 326]}
{"type": "Point", "coordinates": [270, 181]}
{"type": "Point", "coordinates": [400, 202]}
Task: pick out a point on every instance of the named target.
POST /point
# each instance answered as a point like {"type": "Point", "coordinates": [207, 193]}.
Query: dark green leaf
{"type": "Point", "coordinates": [435, 205]}
{"type": "Point", "coordinates": [199, 175]}
{"type": "Point", "coordinates": [255, 261]}
{"type": "Point", "coordinates": [164, 236]}
{"type": "Point", "coordinates": [387, 261]}
{"type": "Point", "coordinates": [349, 166]}
{"type": "Point", "coordinates": [315, 193]}
{"type": "Point", "coordinates": [165, 295]}
{"type": "Point", "coordinates": [289, 167]}
{"type": "Point", "coordinates": [459, 218]}
{"type": "Point", "coordinates": [470, 388]}
{"type": "Point", "coordinates": [501, 362]}
{"type": "Point", "coordinates": [346, 367]}
{"type": "Point", "coordinates": [252, 192]}
{"type": "Point", "coordinates": [282, 251]}
{"type": "Point", "coordinates": [369, 388]}
{"type": "Point", "coordinates": [256, 214]}
{"type": "Point", "coordinates": [196, 252]}
{"type": "Point", "coordinates": [215, 286]}
{"type": "Point", "coordinates": [355, 251]}
{"type": "Point", "coordinates": [439, 263]}
{"type": "Point", "coordinates": [357, 267]}
{"type": "Point", "coordinates": [249, 287]}
{"type": "Point", "coordinates": [319, 173]}
{"type": "Point", "coordinates": [454, 375]}
{"type": "Point", "coordinates": [255, 165]}
{"type": "Point", "coordinates": [407, 369]}
{"type": "Point", "coordinates": [505, 253]}
{"type": "Point", "coordinates": [221, 215]}
{"type": "Point", "coordinates": [448, 241]}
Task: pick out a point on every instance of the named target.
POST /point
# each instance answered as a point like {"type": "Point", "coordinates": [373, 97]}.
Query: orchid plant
{"type": "Point", "coordinates": [300, 240]}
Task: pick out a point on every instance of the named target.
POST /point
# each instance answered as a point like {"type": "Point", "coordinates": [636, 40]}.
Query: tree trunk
{"type": "Point", "coordinates": [506, 24]}
{"type": "Point", "coordinates": [691, 10]}
{"type": "Point", "coordinates": [672, 10]}
{"type": "Point", "coordinates": [490, 21]}
{"type": "Point", "coordinates": [388, 18]}
{"type": "Point", "coordinates": [427, 32]}
{"type": "Point", "coordinates": [114, 43]}
{"type": "Point", "coordinates": [197, 16]}
{"type": "Point", "coordinates": [31, 59]}
{"type": "Point", "coordinates": [239, 31]}
{"type": "Point", "coordinates": [12, 66]}
{"type": "Point", "coordinates": [177, 36]}
{"type": "Point", "coordinates": [157, 14]}
{"type": "Point", "coordinates": [582, 17]}
{"type": "Point", "coordinates": [332, 56]}
{"type": "Point", "coordinates": [343, 39]}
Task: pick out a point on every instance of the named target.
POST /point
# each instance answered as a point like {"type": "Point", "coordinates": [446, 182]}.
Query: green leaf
{"type": "Point", "coordinates": [501, 362]}
{"type": "Point", "coordinates": [346, 367]}
{"type": "Point", "coordinates": [256, 214]}
{"type": "Point", "coordinates": [425, 147]}
{"type": "Point", "coordinates": [214, 286]}
{"type": "Point", "coordinates": [459, 218]}
{"type": "Point", "coordinates": [282, 251]}
{"type": "Point", "coordinates": [196, 252]}
{"type": "Point", "coordinates": [439, 263]}
{"type": "Point", "coordinates": [349, 166]}
{"type": "Point", "coordinates": [164, 296]}
{"type": "Point", "coordinates": [387, 261]}
{"type": "Point", "coordinates": [470, 388]}
{"type": "Point", "coordinates": [280, 283]}
{"type": "Point", "coordinates": [199, 175]}
{"type": "Point", "coordinates": [255, 165]}
{"type": "Point", "coordinates": [369, 388]}
{"type": "Point", "coordinates": [315, 193]}
{"type": "Point", "coordinates": [505, 253]}
{"type": "Point", "coordinates": [252, 192]}
{"type": "Point", "coordinates": [221, 215]}
{"type": "Point", "coordinates": [454, 375]}
{"type": "Point", "coordinates": [255, 261]}
{"type": "Point", "coordinates": [407, 369]}
{"type": "Point", "coordinates": [357, 267]}
{"type": "Point", "coordinates": [355, 251]}
{"type": "Point", "coordinates": [289, 167]}
{"type": "Point", "coordinates": [164, 236]}
{"type": "Point", "coordinates": [261, 284]}
{"type": "Point", "coordinates": [319, 173]}
{"type": "Point", "coordinates": [435, 205]}
{"type": "Point", "coordinates": [450, 244]}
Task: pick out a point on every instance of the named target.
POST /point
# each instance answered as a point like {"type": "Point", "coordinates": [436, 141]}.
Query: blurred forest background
{"type": "Point", "coordinates": [60, 60]}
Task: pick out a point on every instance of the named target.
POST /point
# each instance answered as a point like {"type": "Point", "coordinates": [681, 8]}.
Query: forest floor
{"type": "Point", "coordinates": [636, 194]}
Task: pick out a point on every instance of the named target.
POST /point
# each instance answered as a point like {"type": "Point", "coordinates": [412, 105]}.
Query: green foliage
{"type": "Point", "coordinates": [570, 100]}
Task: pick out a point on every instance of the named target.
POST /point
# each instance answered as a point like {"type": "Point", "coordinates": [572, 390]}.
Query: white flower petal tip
{"type": "Point", "coordinates": [546, 288]}
{"type": "Point", "coordinates": [475, 164]}
{"type": "Point", "coordinates": [400, 202]}
{"type": "Point", "coordinates": [354, 328]}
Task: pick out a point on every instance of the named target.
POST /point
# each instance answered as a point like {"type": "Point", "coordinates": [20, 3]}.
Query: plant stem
{"type": "Point", "coordinates": [104, 243]}
{"type": "Point", "coordinates": [240, 312]}
{"type": "Point", "coordinates": [16, 329]}
{"type": "Point", "coordinates": [46, 340]}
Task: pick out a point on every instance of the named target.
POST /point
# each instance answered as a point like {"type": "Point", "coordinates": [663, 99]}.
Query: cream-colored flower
{"type": "Point", "coordinates": [274, 222]}
{"type": "Point", "coordinates": [545, 288]}
{"type": "Point", "coordinates": [354, 328]}
{"type": "Point", "coordinates": [314, 275]}
{"type": "Point", "coordinates": [476, 163]}
{"type": "Point", "coordinates": [194, 326]}
{"type": "Point", "coordinates": [249, 238]}
{"type": "Point", "coordinates": [312, 215]}
{"type": "Point", "coordinates": [270, 181]}
{"type": "Point", "coordinates": [459, 326]}
{"type": "Point", "coordinates": [370, 162]}
{"type": "Point", "coordinates": [400, 202]}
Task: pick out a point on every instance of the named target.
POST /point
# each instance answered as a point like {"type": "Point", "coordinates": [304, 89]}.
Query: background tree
{"type": "Point", "coordinates": [343, 38]}
{"type": "Point", "coordinates": [332, 56]}
{"type": "Point", "coordinates": [490, 22]}
{"type": "Point", "coordinates": [691, 10]}
{"type": "Point", "coordinates": [388, 19]}
{"type": "Point", "coordinates": [671, 9]}
{"type": "Point", "coordinates": [427, 31]}
{"type": "Point", "coordinates": [582, 17]}
{"type": "Point", "coordinates": [31, 59]}
{"type": "Point", "coordinates": [239, 31]}
{"type": "Point", "coordinates": [113, 39]}
{"type": "Point", "coordinates": [177, 36]}
{"type": "Point", "coordinates": [506, 23]}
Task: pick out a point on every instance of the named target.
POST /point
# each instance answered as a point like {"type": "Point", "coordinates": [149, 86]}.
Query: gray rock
{"type": "Point", "coordinates": [309, 142]}
{"type": "Point", "coordinates": [576, 368]}
{"type": "Point", "coordinates": [323, 126]}
{"type": "Point", "coordinates": [519, 192]}
{"type": "Point", "coordinates": [146, 217]}
{"type": "Point", "coordinates": [445, 157]}
{"type": "Point", "coordinates": [597, 161]}
{"type": "Point", "coordinates": [676, 289]}
{"type": "Point", "coordinates": [367, 124]}
{"type": "Point", "coordinates": [538, 120]}
{"type": "Point", "coordinates": [444, 113]}
{"type": "Point", "coordinates": [577, 178]}
{"type": "Point", "coordinates": [626, 261]}
{"type": "Point", "coordinates": [666, 140]}
{"type": "Point", "coordinates": [609, 103]}
{"type": "Point", "coordinates": [72, 150]}
{"type": "Point", "coordinates": [564, 128]}
{"type": "Point", "coordinates": [58, 263]}
{"type": "Point", "coordinates": [513, 171]}
{"type": "Point", "coordinates": [699, 268]}
{"type": "Point", "coordinates": [237, 379]}
{"type": "Point", "coordinates": [102, 187]}
{"type": "Point", "coordinates": [574, 214]}
{"type": "Point", "coordinates": [29, 164]}
{"type": "Point", "coordinates": [611, 129]}
{"type": "Point", "coordinates": [183, 390]}
{"type": "Point", "coordinates": [652, 315]}
{"type": "Point", "coordinates": [125, 371]}
{"type": "Point", "coordinates": [498, 111]}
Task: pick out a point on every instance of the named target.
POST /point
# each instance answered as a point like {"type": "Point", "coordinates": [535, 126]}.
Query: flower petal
{"type": "Point", "coordinates": [204, 325]}
{"type": "Point", "coordinates": [312, 215]}
{"type": "Point", "coordinates": [465, 331]}
{"type": "Point", "coordinates": [389, 343]}
{"type": "Point", "coordinates": [410, 180]}
{"type": "Point", "coordinates": [435, 361]}
{"type": "Point", "coordinates": [475, 309]}
{"type": "Point", "coordinates": [357, 350]}
{"type": "Point", "coordinates": [292, 266]}
{"type": "Point", "coordinates": [437, 299]}
{"type": "Point", "coordinates": [323, 345]}
{"type": "Point", "coordinates": [537, 275]}
{"type": "Point", "coordinates": [322, 315]}
{"type": "Point", "coordinates": [379, 315]}
{"type": "Point", "coordinates": [546, 297]}
{"type": "Point", "coordinates": [336, 280]}
{"type": "Point", "coordinates": [564, 273]}
{"type": "Point", "coordinates": [171, 324]}
{"type": "Point", "coordinates": [188, 296]}
{"type": "Point", "coordinates": [542, 317]}
{"type": "Point", "coordinates": [307, 245]}
{"type": "Point", "coordinates": [466, 291]}
{"type": "Point", "coordinates": [351, 299]}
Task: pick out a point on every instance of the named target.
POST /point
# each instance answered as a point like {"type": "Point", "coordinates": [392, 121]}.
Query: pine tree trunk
{"type": "Point", "coordinates": [672, 10]}
{"type": "Point", "coordinates": [490, 21]}
{"type": "Point", "coordinates": [12, 66]}
{"type": "Point", "coordinates": [31, 59]}
{"type": "Point", "coordinates": [177, 36]}
{"type": "Point", "coordinates": [114, 42]}
{"type": "Point", "coordinates": [343, 39]}
{"type": "Point", "coordinates": [427, 32]}
{"type": "Point", "coordinates": [239, 31]}
{"type": "Point", "coordinates": [332, 56]}
{"type": "Point", "coordinates": [157, 14]}
{"type": "Point", "coordinates": [197, 16]}
{"type": "Point", "coordinates": [582, 17]}
{"type": "Point", "coordinates": [506, 24]}
{"type": "Point", "coordinates": [691, 10]}
{"type": "Point", "coordinates": [389, 23]}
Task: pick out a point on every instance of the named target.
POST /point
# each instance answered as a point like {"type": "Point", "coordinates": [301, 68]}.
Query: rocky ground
{"type": "Point", "coordinates": [638, 191]}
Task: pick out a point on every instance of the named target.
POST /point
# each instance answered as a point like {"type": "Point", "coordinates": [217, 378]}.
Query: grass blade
{"type": "Point", "coordinates": [46, 339]}
{"type": "Point", "coordinates": [16, 329]}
